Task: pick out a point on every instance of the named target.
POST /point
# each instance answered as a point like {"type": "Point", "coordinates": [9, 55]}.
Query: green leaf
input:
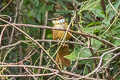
{"type": "Point", "coordinates": [118, 78]}
{"type": "Point", "coordinates": [42, 9]}
{"type": "Point", "coordinates": [97, 11]}
{"type": "Point", "coordinates": [35, 2]}
{"type": "Point", "coordinates": [91, 4]}
{"type": "Point", "coordinates": [107, 57]}
{"type": "Point", "coordinates": [62, 4]}
{"type": "Point", "coordinates": [78, 54]}
{"type": "Point", "coordinates": [117, 42]}
{"type": "Point", "coordinates": [110, 12]}
{"type": "Point", "coordinates": [88, 16]}
{"type": "Point", "coordinates": [49, 7]}
{"type": "Point", "coordinates": [93, 29]}
{"type": "Point", "coordinates": [72, 56]}
{"type": "Point", "coordinates": [97, 44]}
{"type": "Point", "coordinates": [85, 53]}
{"type": "Point", "coordinates": [64, 11]}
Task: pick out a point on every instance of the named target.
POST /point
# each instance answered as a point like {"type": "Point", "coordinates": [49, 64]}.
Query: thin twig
{"type": "Point", "coordinates": [100, 63]}
{"type": "Point", "coordinates": [113, 7]}
{"type": "Point", "coordinates": [6, 5]}
{"type": "Point", "coordinates": [53, 72]}
{"type": "Point", "coordinates": [116, 55]}
{"type": "Point", "coordinates": [1, 34]}
{"type": "Point", "coordinates": [43, 37]}
{"type": "Point", "coordinates": [27, 41]}
{"type": "Point", "coordinates": [75, 32]}
{"type": "Point", "coordinates": [32, 40]}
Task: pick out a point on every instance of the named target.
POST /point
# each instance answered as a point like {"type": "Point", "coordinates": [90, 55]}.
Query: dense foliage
{"type": "Point", "coordinates": [26, 39]}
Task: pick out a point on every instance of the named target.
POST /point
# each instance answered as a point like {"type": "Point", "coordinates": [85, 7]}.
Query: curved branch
{"type": "Point", "coordinates": [75, 32]}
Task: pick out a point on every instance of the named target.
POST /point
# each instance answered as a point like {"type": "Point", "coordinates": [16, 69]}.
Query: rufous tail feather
{"type": "Point", "coordinates": [63, 51]}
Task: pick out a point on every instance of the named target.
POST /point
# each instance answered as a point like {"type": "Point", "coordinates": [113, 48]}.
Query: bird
{"type": "Point", "coordinates": [60, 23]}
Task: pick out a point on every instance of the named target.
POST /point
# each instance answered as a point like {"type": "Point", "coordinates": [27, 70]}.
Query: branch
{"type": "Point", "coordinates": [53, 72]}
{"type": "Point", "coordinates": [75, 32]}
{"type": "Point", "coordinates": [26, 41]}
{"type": "Point", "coordinates": [32, 41]}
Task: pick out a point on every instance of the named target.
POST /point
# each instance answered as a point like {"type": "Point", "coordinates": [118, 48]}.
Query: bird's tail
{"type": "Point", "coordinates": [63, 51]}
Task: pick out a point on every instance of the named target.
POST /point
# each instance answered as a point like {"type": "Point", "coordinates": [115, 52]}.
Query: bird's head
{"type": "Point", "coordinates": [58, 20]}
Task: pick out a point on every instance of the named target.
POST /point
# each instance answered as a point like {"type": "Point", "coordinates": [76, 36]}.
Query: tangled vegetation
{"type": "Point", "coordinates": [27, 49]}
